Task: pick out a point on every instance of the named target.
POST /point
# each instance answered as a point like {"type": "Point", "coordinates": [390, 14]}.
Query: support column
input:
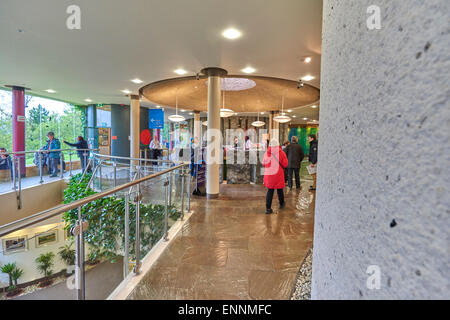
{"type": "Point", "coordinates": [382, 209]}
{"type": "Point", "coordinates": [135, 109]}
{"type": "Point", "coordinates": [213, 132]}
{"type": "Point", "coordinates": [197, 125]}
{"type": "Point", "coordinates": [18, 124]}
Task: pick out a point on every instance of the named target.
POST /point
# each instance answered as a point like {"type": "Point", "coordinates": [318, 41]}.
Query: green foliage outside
{"type": "Point", "coordinates": [39, 121]}
{"type": "Point", "coordinates": [106, 217]}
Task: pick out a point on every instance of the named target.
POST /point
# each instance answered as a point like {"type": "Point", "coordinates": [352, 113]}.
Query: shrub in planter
{"type": "Point", "coordinates": [106, 217]}
{"type": "Point", "coordinates": [45, 264]}
{"type": "Point", "coordinates": [67, 254]}
{"type": "Point", "coordinates": [8, 269]}
{"type": "Point", "coordinates": [13, 290]}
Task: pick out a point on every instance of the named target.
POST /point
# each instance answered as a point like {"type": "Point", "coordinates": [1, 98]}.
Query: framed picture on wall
{"type": "Point", "coordinates": [46, 238]}
{"type": "Point", "coordinates": [16, 244]}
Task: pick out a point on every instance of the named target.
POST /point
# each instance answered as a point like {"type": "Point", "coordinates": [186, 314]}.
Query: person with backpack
{"type": "Point", "coordinates": [53, 156]}
{"type": "Point", "coordinates": [82, 154]}
{"type": "Point", "coordinates": [295, 156]}
{"type": "Point", "coordinates": [274, 162]}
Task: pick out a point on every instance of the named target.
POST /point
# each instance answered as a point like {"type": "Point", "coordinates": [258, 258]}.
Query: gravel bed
{"type": "Point", "coordinates": [302, 287]}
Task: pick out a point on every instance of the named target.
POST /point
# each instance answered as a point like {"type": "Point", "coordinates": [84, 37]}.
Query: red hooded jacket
{"type": "Point", "coordinates": [274, 169]}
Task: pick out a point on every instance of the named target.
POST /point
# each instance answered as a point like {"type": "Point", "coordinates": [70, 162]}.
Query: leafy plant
{"type": "Point", "coordinates": [16, 274]}
{"type": "Point", "coordinates": [45, 263]}
{"type": "Point", "coordinates": [9, 269]}
{"type": "Point", "coordinates": [67, 254]}
{"type": "Point", "coordinates": [106, 217]}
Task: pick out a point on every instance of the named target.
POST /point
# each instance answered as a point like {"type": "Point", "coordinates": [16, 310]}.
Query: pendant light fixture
{"type": "Point", "coordinates": [282, 118]}
{"type": "Point", "coordinates": [258, 123]}
{"type": "Point", "coordinates": [205, 123]}
{"type": "Point", "coordinates": [176, 117]}
{"type": "Point", "coordinates": [225, 113]}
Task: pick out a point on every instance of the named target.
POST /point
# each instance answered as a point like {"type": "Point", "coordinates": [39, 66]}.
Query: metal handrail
{"type": "Point", "coordinates": [49, 213]}
{"type": "Point", "coordinates": [129, 158]}
{"type": "Point", "coordinates": [45, 150]}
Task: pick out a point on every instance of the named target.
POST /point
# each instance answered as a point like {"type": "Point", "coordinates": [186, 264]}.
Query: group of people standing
{"type": "Point", "coordinates": [277, 160]}
{"type": "Point", "coordinates": [50, 158]}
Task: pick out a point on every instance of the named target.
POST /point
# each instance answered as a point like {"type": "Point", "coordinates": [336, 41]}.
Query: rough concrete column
{"type": "Point", "coordinates": [383, 165]}
{"type": "Point", "coordinates": [134, 127]}
{"type": "Point", "coordinates": [214, 146]}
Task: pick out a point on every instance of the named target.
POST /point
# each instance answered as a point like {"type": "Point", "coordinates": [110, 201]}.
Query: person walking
{"type": "Point", "coordinates": [81, 146]}
{"type": "Point", "coordinates": [53, 156]}
{"type": "Point", "coordinates": [5, 161]}
{"type": "Point", "coordinates": [274, 162]}
{"type": "Point", "coordinates": [295, 157]}
{"type": "Point", "coordinates": [313, 144]}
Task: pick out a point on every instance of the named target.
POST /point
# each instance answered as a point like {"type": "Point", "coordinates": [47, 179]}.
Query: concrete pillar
{"type": "Point", "coordinates": [214, 147]}
{"type": "Point", "coordinates": [197, 126]}
{"type": "Point", "coordinates": [18, 124]}
{"type": "Point", "coordinates": [382, 204]}
{"type": "Point", "coordinates": [134, 127]}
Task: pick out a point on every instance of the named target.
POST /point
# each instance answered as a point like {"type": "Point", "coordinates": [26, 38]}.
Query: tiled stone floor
{"type": "Point", "coordinates": [230, 249]}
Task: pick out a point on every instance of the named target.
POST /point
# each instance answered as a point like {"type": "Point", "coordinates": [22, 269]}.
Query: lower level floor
{"type": "Point", "coordinates": [231, 249]}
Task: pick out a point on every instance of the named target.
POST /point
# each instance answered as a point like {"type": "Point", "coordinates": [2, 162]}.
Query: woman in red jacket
{"type": "Point", "coordinates": [274, 162]}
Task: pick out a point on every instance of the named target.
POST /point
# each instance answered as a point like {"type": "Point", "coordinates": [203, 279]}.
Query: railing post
{"type": "Point", "coordinates": [79, 275]}
{"type": "Point", "coordinates": [189, 190]}
{"type": "Point", "coordinates": [70, 163]}
{"type": "Point", "coordinates": [13, 158]}
{"type": "Point", "coordinates": [100, 175]}
{"type": "Point", "coordinates": [182, 193]}
{"type": "Point", "coordinates": [138, 227]}
{"type": "Point", "coordinates": [40, 168]}
{"type": "Point", "coordinates": [166, 209]}
{"type": "Point", "coordinates": [115, 173]}
{"type": "Point", "coordinates": [19, 196]}
{"type": "Point", "coordinates": [170, 188]}
{"type": "Point", "coordinates": [61, 164]}
{"type": "Point", "coordinates": [127, 234]}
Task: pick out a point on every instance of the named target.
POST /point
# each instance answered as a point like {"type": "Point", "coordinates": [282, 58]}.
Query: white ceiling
{"type": "Point", "coordinates": [148, 39]}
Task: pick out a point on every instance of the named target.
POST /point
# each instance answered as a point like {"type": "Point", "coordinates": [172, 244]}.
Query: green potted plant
{"type": "Point", "coordinates": [13, 291]}
{"type": "Point", "coordinates": [8, 269]}
{"type": "Point", "coordinates": [44, 265]}
{"type": "Point", "coordinates": [67, 254]}
{"type": "Point", "coordinates": [93, 257]}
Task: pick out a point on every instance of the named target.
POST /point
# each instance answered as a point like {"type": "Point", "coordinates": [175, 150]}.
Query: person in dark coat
{"type": "Point", "coordinates": [295, 157]}
{"type": "Point", "coordinates": [82, 154]}
{"type": "Point", "coordinates": [274, 162]}
{"type": "Point", "coordinates": [313, 144]}
{"type": "Point", "coordinates": [5, 161]}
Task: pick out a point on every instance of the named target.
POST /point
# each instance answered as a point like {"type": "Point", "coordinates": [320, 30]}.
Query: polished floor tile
{"type": "Point", "coordinates": [230, 249]}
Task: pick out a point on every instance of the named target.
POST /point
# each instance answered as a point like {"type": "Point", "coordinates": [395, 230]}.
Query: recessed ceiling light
{"type": "Point", "coordinates": [235, 113]}
{"type": "Point", "coordinates": [126, 91]}
{"type": "Point", "coordinates": [190, 113]}
{"type": "Point", "coordinates": [308, 59]}
{"type": "Point", "coordinates": [182, 110]}
{"type": "Point", "coordinates": [50, 91]}
{"type": "Point", "coordinates": [137, 81]}
{"type": "Point", "coordinates": [231, 33]}
{"type": "Point", "coordinates": [88, 100]}
{"type": "Point", "coordinates": [289, 110]}
{"type": "Point", "coordinates": [180, 71]}
{"type": "Point", "coordinates": [248, 70]}
{"type": "Point", "coordinates": [262, 112]}
{"type": "Point", "coordinates": [314, 106]}
{"type": "Point", "coordinates": [158, 106]}
{"type": "Point", "coordinates": [305, 119]}
{"type": "Point", "coordinates": [294, 116]}
{"type": "Point", "coordinates": [308, 78]}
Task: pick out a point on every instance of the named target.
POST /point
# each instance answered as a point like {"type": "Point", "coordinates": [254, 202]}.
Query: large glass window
{"type": "Point", "coordinates": [42, 115]}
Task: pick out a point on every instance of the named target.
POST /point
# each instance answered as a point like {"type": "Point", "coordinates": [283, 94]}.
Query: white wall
{"type": "Point", "coordinates": [25, 259]}
{"type": "Point", "coordinates": [384, 152]}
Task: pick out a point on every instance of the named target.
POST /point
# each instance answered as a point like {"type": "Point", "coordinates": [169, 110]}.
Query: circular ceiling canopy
{"type": "Point", "coordinates": [243, 93]}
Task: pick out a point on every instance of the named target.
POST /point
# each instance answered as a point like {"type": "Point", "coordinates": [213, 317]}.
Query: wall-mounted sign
{"type": "Point", "coordinates": [20, 118]}
{"type": "Point", "coordinates": [155, 119]}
